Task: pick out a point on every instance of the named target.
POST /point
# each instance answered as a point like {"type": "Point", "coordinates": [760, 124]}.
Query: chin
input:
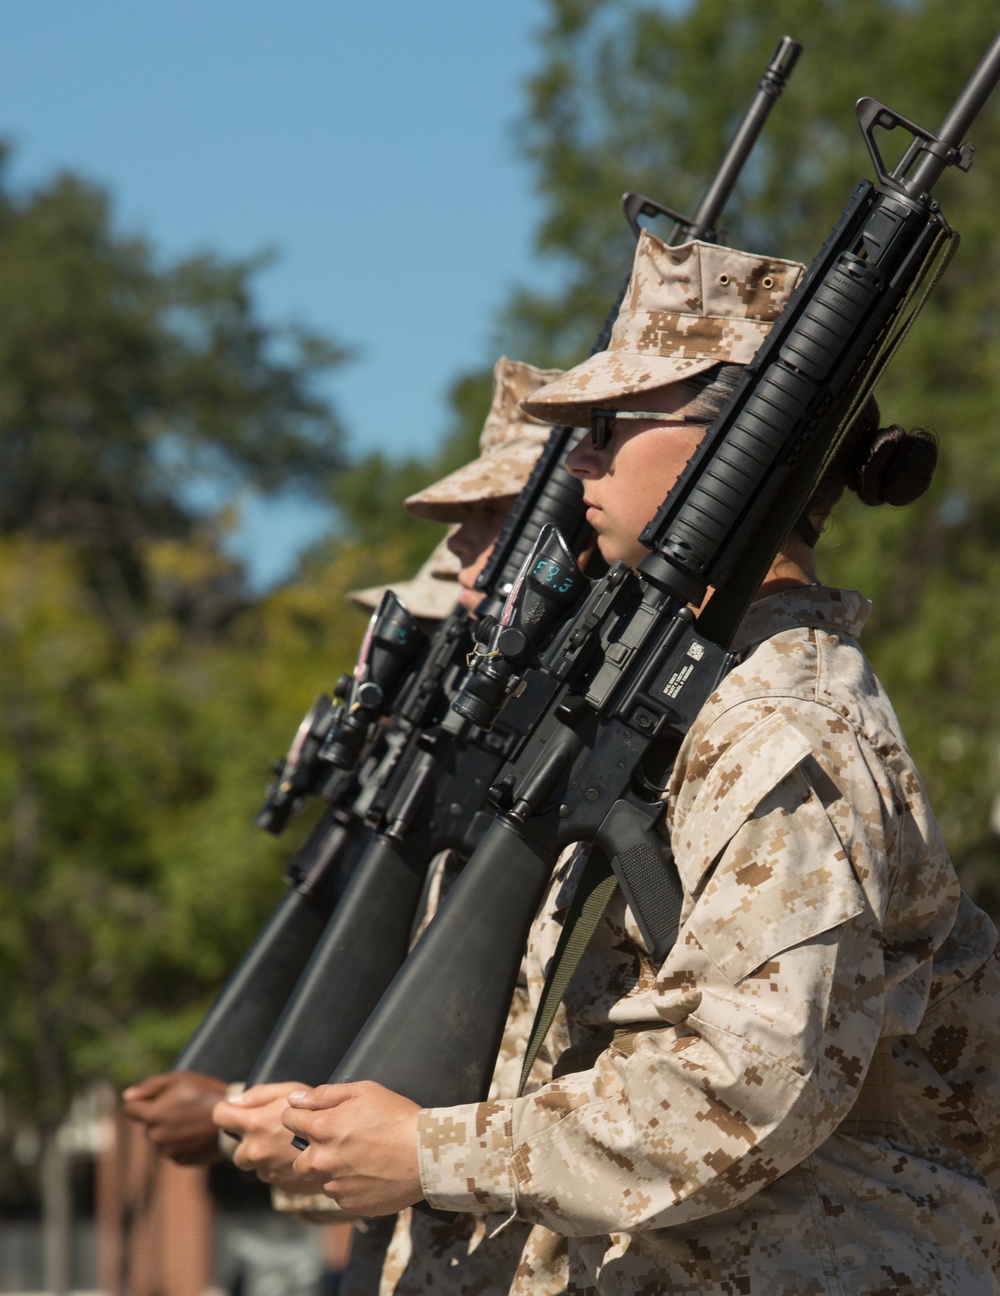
{"type": "Point", "coordinates": [613, 551]}
{"type": "Point", "coordinates": [628, 554]}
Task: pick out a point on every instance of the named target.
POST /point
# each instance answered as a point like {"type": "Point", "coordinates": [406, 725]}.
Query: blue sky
{"type": "Point", "coordinates": [370, 144]}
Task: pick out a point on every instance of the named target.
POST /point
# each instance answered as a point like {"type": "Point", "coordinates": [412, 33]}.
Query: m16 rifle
{"type": "Point", "coordinates": [323, 759]}
{"type": "Point", "coordinates": [430, 795]}
{"type": "Point", "coordinates": [633, 664]}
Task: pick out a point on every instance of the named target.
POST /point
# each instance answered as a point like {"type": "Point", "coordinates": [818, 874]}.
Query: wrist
{"type": "Point", "coordinates": [465, 1157]}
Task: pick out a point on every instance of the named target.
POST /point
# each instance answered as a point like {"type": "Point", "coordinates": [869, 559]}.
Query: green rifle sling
{"type": "Point", "coordinates": [590, 900]}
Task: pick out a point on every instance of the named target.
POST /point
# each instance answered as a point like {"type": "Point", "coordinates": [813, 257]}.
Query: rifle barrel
{"type": "Point", "coordinates": [960, 117]}
{"type": "Point", "coordinates": [772, 83]}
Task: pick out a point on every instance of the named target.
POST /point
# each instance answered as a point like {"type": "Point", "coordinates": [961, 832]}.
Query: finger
{"type": "Point", "coordinates": [303, 1166]}
{"type": "Point", "coordinates": [296, 1122]}
{"type": "Point", "coordinates": [245, 1156]}
{"type": "Point", "coordinates": [251, 1165]}
{"type": "Point", "coordinates": [321, 1098]}
{"type": "Point", "coordinates": [135, 1108]}
{"type": "Point", "coordinates": [302, 1125]}
{"type": "Point", "coordinates": [228, 1117]}
{"type": "Point", "coordinates": [145, 1089]}
{"type": "Point", "coordinates": [262, 1094]}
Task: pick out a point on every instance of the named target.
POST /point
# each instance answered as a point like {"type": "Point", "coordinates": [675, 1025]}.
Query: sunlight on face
{"type": "Point", "coordinates": [625, 483]}
{"type": "Point", "coordinates": [479, 528]}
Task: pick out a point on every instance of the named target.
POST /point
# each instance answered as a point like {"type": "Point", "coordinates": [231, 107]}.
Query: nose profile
{"type": "Point", "coordinates": [583, 460]}
{"type": "Point", "coordinates": [459, 543]}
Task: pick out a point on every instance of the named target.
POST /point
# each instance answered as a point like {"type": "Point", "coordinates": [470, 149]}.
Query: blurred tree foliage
{"type": "Point", "coordinates": [390, 543]}
{"type": "Point", "coordinates": [645, 96]}
{"type": "Point", "coordinates": [119, 379]}
{"type": "Point", "coordinates": [143, 691]}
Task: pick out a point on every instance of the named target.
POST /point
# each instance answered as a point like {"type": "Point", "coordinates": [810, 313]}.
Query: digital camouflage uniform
{"type": "Point", "coordinates": [789, 1104]}
{"type": "Point", "coordinates": [803, 1098]}
{"type": "Point", "coordinates": [686, 309]}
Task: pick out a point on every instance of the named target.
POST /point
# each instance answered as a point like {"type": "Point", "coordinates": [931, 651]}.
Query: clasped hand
{"type": "Point", "coordinates": [265, 1146]}
{"type": "Point", "coordinates": [362, 1144]}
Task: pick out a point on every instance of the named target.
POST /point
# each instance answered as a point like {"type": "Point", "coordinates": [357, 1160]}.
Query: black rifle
{"type": "Point", "coordinates": [367, 936]}
{"type": "Point", "coordinates": [633, 665]}
{"type": "Point", "coordinates": [321, 759]}
{"type": "Point", "coordinates": [332, 735]}
{"type": "Point", "coordinates": [431, 797]}
{"type": "Point", "coordinates": [243, 1014]}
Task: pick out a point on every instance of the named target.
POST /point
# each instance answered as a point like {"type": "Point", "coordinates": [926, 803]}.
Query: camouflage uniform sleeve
{"type": "Point", "coordinates": [314, 1208]}
{"type": "Point", "coordinates": [771, 1003]}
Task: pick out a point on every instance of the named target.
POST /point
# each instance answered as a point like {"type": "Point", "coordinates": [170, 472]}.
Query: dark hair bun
{"type": "Point", "coordinates": [899, 466]}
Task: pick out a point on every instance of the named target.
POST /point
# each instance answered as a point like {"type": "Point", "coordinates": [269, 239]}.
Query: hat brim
{"type": "Point", "coordinates": [432, 597]}
{"type": "Point", "coordinates": [490, 477]}
{"type": "Point", "coordinates": [608, 376]}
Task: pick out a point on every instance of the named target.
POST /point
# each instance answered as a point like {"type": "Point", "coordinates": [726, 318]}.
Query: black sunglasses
{"type": "Point", "coordinates": [602, 422]}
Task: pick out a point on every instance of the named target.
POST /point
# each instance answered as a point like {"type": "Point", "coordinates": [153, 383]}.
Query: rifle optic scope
{"type": "Point", "coordinates": [548, 586]}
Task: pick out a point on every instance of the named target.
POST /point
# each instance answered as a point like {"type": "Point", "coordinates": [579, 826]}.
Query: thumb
{"type": "Point", "coordinates": [147, 1088]}
{"type": "Point", "coordinates": [321, 1098]}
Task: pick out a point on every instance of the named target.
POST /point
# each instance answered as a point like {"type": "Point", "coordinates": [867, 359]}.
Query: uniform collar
{"type": "Point", "coordinates": [818, 606]}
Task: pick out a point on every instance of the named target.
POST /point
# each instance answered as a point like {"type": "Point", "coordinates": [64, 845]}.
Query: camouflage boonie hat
{"type": "Point", "coordinates": [510, 443]}
{"type": "Point", "coordinates": [686, 309]}
{"type": "Point", "coordinates": [432, 592]}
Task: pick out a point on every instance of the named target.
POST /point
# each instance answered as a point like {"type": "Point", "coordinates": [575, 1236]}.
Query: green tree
{"type": "Point", "coordinates": [121, 377]}
{"type": "Point", "coordinates": [369, 493]}
{"type": "Point", "coordinates": [144, 692]}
